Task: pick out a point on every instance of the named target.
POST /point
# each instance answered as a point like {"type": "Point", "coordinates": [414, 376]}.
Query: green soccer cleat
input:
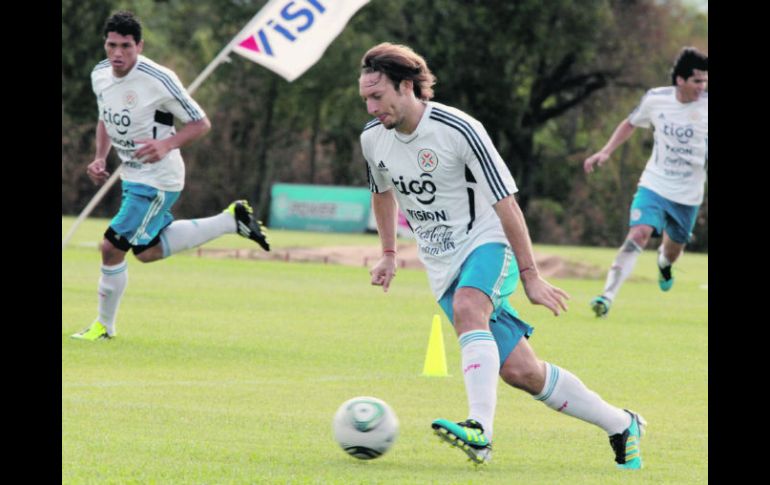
{"type": "Point", "coordinates": [96, 331]}
{"type": "Point", "coordinates": [601, 306]}
{"type": "Point", "coordinates": [246, 225]}
{"type": "Point", "coordinates": [628, 454]}
{"type": "Point", "coordinates": [467, 435]}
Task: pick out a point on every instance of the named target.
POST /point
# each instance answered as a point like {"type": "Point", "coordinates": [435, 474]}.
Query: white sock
{"type": "Point", "coordinates": [481, 366]}
{"type": "Point", "coordinates": [186, 234]}
{"type": "Point", "coordinates": [663, 261]}
{"type": "Point", "coordinates": [112, 284]}
{"type": "Point", "coordinates": [621, 268]}
{"type": "Point", "coordinates": [565, 393]}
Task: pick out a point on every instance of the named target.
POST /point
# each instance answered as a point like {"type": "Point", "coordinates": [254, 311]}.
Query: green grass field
{"type": "Point", "coordinates": [229, 371]}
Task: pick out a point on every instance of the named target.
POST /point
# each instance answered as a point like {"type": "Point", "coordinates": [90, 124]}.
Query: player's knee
{"type": "Point", "coordinates": [110, 254]}
{"type": "Point", "coordinates": [468, 302]}
{"type": "Point", "coordinates": [640, 235]}
{"type": "Point", "coordinates": [468, 315]}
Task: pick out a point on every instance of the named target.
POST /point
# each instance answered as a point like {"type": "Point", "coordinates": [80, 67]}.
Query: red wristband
{"type": "Point", "coordinates": [526, 269]}
{"type": "Point", "coordinates": [385, 251]}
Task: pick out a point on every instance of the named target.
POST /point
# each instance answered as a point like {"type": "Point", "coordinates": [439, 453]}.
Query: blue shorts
{"type": "Point", "coordinates": [492, 269]}
{"type": "Point", "coordinates": [144, 212]}
{"type": "Point", "coordinates": [651, 209]}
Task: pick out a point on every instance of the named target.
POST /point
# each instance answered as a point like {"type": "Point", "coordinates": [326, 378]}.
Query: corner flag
{"type": "Point", "coordinates": [288, 37]}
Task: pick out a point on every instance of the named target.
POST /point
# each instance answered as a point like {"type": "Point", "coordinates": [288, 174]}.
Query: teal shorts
{"type": "Point", "coordinates": [492, 269]}
{"type": "Point", "coordinates": [651, 209]}
{"type": "Point", "coordinates": [144, 212]}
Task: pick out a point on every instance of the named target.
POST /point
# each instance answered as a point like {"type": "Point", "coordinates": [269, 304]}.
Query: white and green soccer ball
{"type": "Point", "coordinates": [365, 427]}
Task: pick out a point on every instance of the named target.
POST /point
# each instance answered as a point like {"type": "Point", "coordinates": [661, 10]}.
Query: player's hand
{"type": "Point", "coordinates": [151, 150]}
{"type": "Point", "coordinates": [597, 158]}
{"type": "Point", "coordinates": [540, 292]}
{"type": "Point", "coordinates": [97, 172]}
{"type": "Point", "coordinates": [384, 271]}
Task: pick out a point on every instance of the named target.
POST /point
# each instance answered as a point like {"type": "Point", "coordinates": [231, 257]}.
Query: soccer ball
{"type": "Point", "coordinates": [365, 427]}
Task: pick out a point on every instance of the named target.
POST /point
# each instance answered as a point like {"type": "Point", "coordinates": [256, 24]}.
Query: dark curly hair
{"type": "Point", "coordinates": [124, 23]}
{"type": "Point", "coordinates": [689, 59]}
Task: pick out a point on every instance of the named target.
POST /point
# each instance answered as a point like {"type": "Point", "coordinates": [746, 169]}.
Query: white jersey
{"type": "Point", "coordinates": [677, 167]}
{"type": "Point", "coordinates": [143, 104]}
{"type": "Point", "coordinates": [447, 174]}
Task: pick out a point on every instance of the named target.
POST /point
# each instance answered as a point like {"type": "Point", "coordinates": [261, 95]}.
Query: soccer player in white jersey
{"type": "Point", "coordinates": [439, 165]}
{"type": "Point", "coordinates": [138, 101]}
{"type": "Point", "coordinates": [671, 188]}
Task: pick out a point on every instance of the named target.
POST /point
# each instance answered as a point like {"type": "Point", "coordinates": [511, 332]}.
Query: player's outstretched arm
{"type": "Point", "coordinates": [622, 133]}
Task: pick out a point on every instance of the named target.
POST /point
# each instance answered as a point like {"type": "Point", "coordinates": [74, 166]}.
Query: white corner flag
{"type": "Point", "coordinates": [288, 36]}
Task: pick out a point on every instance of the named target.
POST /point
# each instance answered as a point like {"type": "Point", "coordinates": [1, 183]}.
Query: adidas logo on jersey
{"type": "Point", "coordinates": [381, 167]}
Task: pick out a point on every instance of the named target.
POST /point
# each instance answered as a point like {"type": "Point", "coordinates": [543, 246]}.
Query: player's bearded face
{"type": "Point", "coordinates": [382, 100]}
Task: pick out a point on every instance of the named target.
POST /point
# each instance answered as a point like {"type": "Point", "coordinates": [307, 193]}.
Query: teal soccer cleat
{"type": "Point", "coordinates": [467, 435]}
{"type": "Point", "coordinates": [628, 454]}
{"type": "Point", "coordinates": [601, 306]}
{"type": "Point", "coordinates": [665, 278]}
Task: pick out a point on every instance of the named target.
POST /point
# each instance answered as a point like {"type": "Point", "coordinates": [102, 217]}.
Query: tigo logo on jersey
{"type": "Point", "coordinates": [427, 160]}
{"type": "Point", "coordinates": [121, 121]}
{"type": "Point", "coordinates": [287, 26]}
{"type": "Point", "coordinates": [424, 189]}
{"type": "Point", "coordinates": [683, 134]}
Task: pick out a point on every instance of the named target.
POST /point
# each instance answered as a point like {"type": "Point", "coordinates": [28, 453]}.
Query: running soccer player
{"type": "Point", "coordinates": [138, 101]}
{"type": "Point", "coordinates": [439, 165]}
{"type": "Point", "coordinates": [671, 188]}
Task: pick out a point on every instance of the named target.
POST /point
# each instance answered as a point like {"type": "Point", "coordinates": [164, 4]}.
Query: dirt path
{"type": "Point", "coordinates": [550, 266]}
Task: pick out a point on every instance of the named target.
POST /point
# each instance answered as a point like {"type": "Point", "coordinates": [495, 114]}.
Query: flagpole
{"type": "Point", "coordinates": [222, 56]}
